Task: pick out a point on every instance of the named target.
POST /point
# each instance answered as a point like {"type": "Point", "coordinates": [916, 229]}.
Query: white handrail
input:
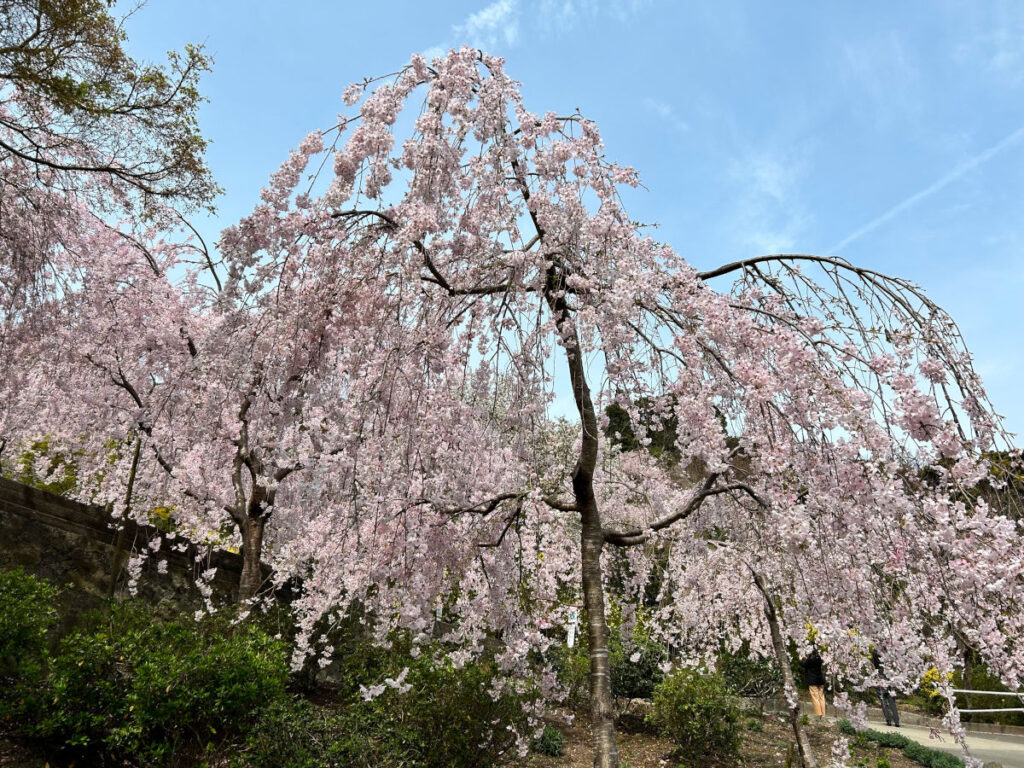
{"type": "Point", "coordinates": [1008, 709]}
{"type": "Point", "coordinates": [1018, 694]}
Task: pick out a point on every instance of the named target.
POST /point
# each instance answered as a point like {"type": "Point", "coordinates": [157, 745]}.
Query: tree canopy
{"type": "Point", "coordinates": [73, 102]}
{"type": "Point", "coordinates": [362, 391]}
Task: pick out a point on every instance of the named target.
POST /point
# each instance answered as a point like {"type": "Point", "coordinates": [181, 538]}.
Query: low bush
{"type": "Point", "coordinates": [550, 742]}
{"type": "Point", "coordinates": [447, 718]}
{"type": "Point", "coordinates": [294, 733]}
{"type": "Point", "coordinates": [132, 688]}
{"type": "Point", "coordinates": [636, 670]}
{"type": "Point", "coordinates": [572, 666]}
{"type": "Point", "coordinates": [931, 758]}
{"type": "Point", "coordinates": [695, 711]}
{"type": "Point", "coordinates": [755, 677]}
{"type": "Point", "coordinates": [634, 662]}
{"type": "Point", "coordinates": [27, 615]}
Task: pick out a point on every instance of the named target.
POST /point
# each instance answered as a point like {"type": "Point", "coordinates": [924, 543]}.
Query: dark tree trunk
{"type": "Point", "coordinates": [252, 546]}
{"type": "Point", "coordinates": [602, 713]}
{"type": "Point", "coordinates": [782, 657]}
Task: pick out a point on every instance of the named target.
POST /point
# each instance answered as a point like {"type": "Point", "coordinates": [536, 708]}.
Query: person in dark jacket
{"type": "Point", "coordinates": [889, 711]}
{"type": "Point", "coordinates": [814, 678]}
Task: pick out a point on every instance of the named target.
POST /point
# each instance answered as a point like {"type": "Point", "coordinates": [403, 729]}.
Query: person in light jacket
{"type": "Point", "coordinates": [814, 678]}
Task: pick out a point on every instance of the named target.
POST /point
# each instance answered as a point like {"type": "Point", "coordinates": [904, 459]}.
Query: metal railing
{"type": "Point", "coordinates": [1019, 696]}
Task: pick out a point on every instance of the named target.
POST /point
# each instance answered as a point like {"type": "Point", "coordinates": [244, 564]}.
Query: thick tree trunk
{"type": "Point", "coordinates": [602, 712]}
{"type": "Point", "coordinates": [782, 657]}
{"type": "Point", "coordinates": [252, 546]}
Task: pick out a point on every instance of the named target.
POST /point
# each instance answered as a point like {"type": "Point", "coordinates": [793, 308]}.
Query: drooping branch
{"type": "Point", "coordinates": [708, 489]}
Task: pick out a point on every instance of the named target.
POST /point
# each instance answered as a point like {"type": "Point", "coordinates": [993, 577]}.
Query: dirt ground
{"type": "Point", "coordinates": [765, 748]}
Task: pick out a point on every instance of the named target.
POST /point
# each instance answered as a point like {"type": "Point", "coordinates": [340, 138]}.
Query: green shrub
{"type": "Point", "coordinates": [754, 724]}
{"type": "Point", "coordinates": [27, 615]}
{"type": "Point", "coordinates": [133, 688]}
{"type": "Point", "coordinates": [890, 740]}
{"type": "Point", "coordinates": [446, 719]}
{"type": "Point", "coordinates": [294, 733]}
{"type": "Point", "coordinates": [932, 758]}
{"type": "Point", "coordinates": [572, 666]}
{"type": "Point", "coordinates": [550, 742]}
{"type": "Point", "coordinates": [694, 710]}
{"type": "Point", "coordinates": [634, 664]}
{"type": "Point", "coordinates": [636, 672]}
{"type": "Point", "coordinates": [745, 676]}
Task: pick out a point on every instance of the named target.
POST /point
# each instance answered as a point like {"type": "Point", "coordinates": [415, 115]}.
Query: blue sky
{"type": "Point", "coordinates": [889, 133]}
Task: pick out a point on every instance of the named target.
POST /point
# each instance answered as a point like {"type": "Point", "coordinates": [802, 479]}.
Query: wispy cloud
{"type": "Point", "coordinates": [998, 41]}
{"type": "Point", "coordinates": [769, 217]}
{"type": "Point", "coordinates": [883, 70]}
{"type": "Point", "coordinates": [492, 27]}
{"type": "Point", "coordinates": [931, 189]}
{"type": "Point", "coordinates": [666, 113]}
{"type": "Point", "coordinates": [560, 15]}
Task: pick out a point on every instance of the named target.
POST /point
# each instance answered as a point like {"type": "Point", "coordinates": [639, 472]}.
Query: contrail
{"type": "Point", "coordinates": [914, 199]}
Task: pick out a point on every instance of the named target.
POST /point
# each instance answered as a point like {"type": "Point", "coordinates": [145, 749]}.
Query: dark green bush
{"type": "Point", "coordinates": [294, 733]}
{"type": "Point", "coordinates": [27, 615]}
{"type": "Point", "coordinates": [635, 663]}
{"type": "Point", "coordinates": [572, 666]}
{"type": "Point", "coordinates": [550, 742]}
{"type": "Point", "coordinates": [446, 719]}
{"type": "Point", "coordinates": [694, 710]}
{"type": "Point", "coordinates": [746, 676]}
{"type": "Point", "coordinates": [635, 658]}
{"type": "Point", "coordinates": [133, 688]}
{"type": "Point", "coordinates": [932, 758]}
{"type": "Point", "coordinates": [635, 679]}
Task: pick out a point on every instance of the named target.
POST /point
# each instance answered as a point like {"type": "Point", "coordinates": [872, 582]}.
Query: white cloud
{"type": "Point", "coordinates": [434, 51]}
{"type": "Point", "coordinates": [559, 15]}
{"type": "Point", "coordinates": [997, 41]}
{"type": "Point", "coordinates": [769, 215]}
{"type": "Point", "coordinates": [883, 70]}
{"type": "Point", "coordinates": [490, 27]}
{"type": "Point", "coordinates": [666, 113]}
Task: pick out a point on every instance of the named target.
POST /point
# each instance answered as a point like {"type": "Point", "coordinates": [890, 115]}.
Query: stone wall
{"type": "Point", "coordinates": [78, 546]}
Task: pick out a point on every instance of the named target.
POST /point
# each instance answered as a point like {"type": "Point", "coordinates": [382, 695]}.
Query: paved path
{"type": "Point", "coordinates": [998, 747]}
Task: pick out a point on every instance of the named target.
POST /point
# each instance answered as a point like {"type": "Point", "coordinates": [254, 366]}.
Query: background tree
{"type": "Point", "coordinates": [73, 102]}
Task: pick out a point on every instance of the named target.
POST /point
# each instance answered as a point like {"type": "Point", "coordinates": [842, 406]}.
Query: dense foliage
{"type": "Point", "coordinates": [75, 106]}
{"type": "Point", "coordinates": [27, 616]}
{"type": "Point", "coordinates": [697, 713]}
{"type": "Point", "coordinates": [133, 686]}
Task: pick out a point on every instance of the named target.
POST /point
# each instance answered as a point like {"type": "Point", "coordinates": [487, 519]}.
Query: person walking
{"type": "Point", "coordinates": [814, 678]}
{"type": "Point", "coordinates": [885, 693]}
